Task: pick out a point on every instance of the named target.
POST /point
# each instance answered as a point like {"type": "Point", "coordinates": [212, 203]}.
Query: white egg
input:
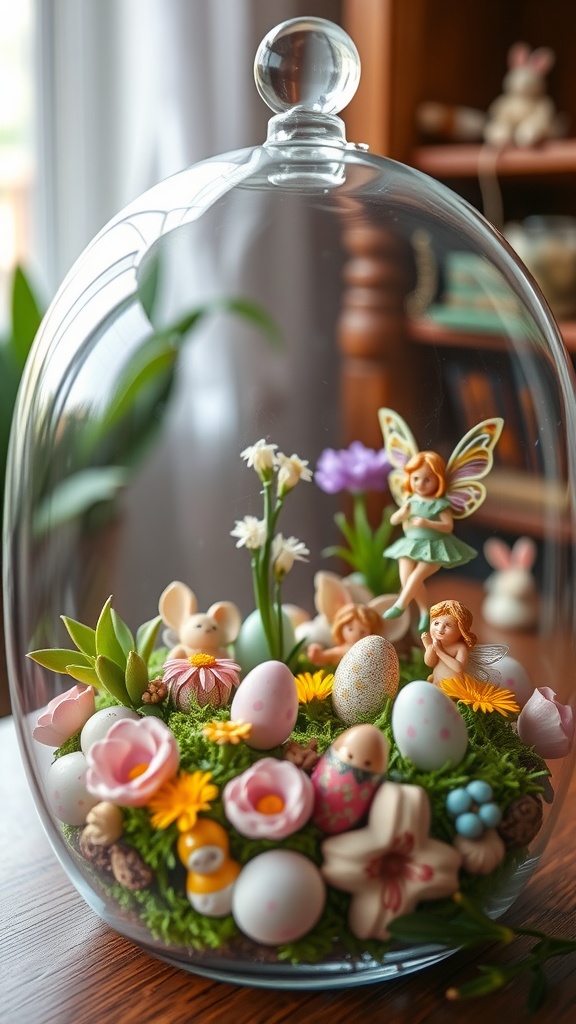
{"type": "Point", "coordinates": [367, 675]}
{"type": "Point", "coordinates": [278, 897]}
{"type": "Point", "coordinates": [428, 727]}
{"type": "Point", "coordinates": [99, 725]}
{"type": "Point", "coordinates": [66, 790]}
{"type": "Point", "coordinates": [268, 699]}
{"type": "Point", "coordinates": [509, 674]}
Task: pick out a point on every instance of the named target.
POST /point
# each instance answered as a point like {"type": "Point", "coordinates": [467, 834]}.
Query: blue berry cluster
{"type": "Point", "coordinates": [473, 808]}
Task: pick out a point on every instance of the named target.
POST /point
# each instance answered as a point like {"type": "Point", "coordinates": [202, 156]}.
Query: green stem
{"type": "Point", "coordinates": [279, 617]}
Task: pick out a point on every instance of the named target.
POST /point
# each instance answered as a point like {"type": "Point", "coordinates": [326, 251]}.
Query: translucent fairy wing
{"type": "Point", "coordinates": [471, 460]}
{"type": "Point", "coordinates": [400, 447]}
{"type": "Point", "coordinates": [482, 657]}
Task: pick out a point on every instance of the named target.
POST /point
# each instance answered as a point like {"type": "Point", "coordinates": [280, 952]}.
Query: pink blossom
{"type": "Point", "coordinates": [270, 800]}
{"type": "Point", "coordinates": [202, 677]}
{"type": "Point", "coordinates": [546, 724]}
{"type": "Point", "coordinates": [133, 760]}
{"type": "Point", "coordinates": [64, 716]}
{"type": "Point", "coordinates": [392, 864]}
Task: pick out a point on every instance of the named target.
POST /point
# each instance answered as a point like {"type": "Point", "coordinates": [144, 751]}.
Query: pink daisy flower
{"type": "Point", "coordinates": [201, 676]}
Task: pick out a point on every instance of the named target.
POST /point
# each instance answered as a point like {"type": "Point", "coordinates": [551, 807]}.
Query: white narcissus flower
{"type": "Point", "coordinates": [290, 471]}
{"type": "Point", "coordinates": [251, 533]}
{"type": "Point", "coordinates": [260, 456]}
{"type": "Point", "coordinates": [286, 551]}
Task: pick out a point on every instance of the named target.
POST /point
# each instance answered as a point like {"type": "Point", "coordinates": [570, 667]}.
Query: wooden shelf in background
{"type": "Point", "coordinates": [463, 160]}
{"type": "Point", "coordinates": [427, 332]}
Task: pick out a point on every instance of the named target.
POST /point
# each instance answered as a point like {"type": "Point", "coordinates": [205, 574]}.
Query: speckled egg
{"type": "Point", "coordinates": [428, 727]}
{"type": "Point", "coordinates": [509, 674]}
{"type": "Point", "coordinates": [368, 673]}
{"type": "Point", "coordinates": [278, 897]}
{"type": "Point", "coordinates": [98, 726]}
{"type": "Point", "coordinates": [268, 699]}
{"type": "Point", "coordinates": [66, 790]}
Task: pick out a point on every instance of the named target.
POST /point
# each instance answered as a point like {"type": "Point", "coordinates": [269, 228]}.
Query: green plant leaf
{"type": "Point", "coordinates": [123, 633]}
{"type": "Point", "coordinates": [57, 659]}
{"type": "Point", "coordinates": [146, 637]}
{"type": "Point", "coordinates": [538, 990]}
{"type": "Point", "coordinates": [83, 636]}
{"type": "Point", "coordinates": [154, 359]}
{"type": "Point", "coordinates": [107, 643]}
{"type": "Point", "coordinates": [84, 675]}
{"type": "Point", "coordinates": [76, 495]}
{"type": "Point", "coordinates": [257, 315]}
{"type": "Point", "coordinates": [136, 677]}
{"type": "Point", "coordinates": [112, 678]}
{"type": "Point", "coordinates": [26, 317]}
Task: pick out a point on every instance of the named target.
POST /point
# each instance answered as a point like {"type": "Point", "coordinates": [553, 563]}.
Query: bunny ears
{"type": "Point", "coordinates": [540, 60]}
{"type": "Point", "coordinates": [500, 556]}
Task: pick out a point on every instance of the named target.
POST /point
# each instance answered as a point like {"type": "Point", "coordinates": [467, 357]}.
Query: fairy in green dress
{"type": "Point", "coordinates": [431, 495]}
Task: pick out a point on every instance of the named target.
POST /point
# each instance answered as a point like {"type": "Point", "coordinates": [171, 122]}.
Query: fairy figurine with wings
{"type": "Point", "coordinates": [432, 494]}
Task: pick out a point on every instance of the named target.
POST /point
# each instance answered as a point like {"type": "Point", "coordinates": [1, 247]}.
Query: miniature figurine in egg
{"type": "Point", "coordinates": [347, 776]}
{"type": "Point", "coordinates": [212, 873]}
{"type": "Point", "coordinates": [431, 494]}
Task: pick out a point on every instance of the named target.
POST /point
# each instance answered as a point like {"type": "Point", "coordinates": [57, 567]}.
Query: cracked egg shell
{"type": "Point", "coordinates": [367, 675]}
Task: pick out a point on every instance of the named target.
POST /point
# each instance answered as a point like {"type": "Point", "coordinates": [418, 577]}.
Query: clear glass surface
{"type": "Point", "coordinates": [111, 499]}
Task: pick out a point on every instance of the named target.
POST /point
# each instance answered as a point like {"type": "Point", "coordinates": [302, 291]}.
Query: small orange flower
{"type": "Point", "coordinates": [314, 687]}
{"type": "Point", "coordinates": [181, 800]}
{"type": "Point", "coordinates": [227, 732]}
{"type": "Point", "coordinates": [483, 697]}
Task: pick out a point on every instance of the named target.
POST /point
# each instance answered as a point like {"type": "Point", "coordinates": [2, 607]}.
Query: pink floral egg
{"type": "Point", "coordinates": [428, 727]}
{"type": "Point", "coordinates": [268, 699]}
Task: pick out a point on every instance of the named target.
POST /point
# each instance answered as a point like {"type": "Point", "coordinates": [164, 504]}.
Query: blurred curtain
{"type": "Point", "coordinates": [131, 91]}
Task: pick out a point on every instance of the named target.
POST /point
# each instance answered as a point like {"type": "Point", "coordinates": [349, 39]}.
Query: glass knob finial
{"type": "Point", "coordinates": [308, 64]}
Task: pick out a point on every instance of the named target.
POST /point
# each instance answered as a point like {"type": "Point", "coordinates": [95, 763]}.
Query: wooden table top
{"type": "Point", "coordinates": [62, 965]}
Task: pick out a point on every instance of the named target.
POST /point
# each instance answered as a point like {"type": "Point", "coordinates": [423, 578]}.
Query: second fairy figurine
{"type": "Point", "coordinates": [432, 494]}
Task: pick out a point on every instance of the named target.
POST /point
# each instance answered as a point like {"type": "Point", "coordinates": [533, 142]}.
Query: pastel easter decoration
{"type": "Point", "coordinates": [428, 727]}
{"type": "Point", "coordinates": [278, 897]}
{"type": "Point", "coordinates": [204, 851]}
{"type": "Point", "coordinates": [365, 678]}
{"type": "Point", "coordinates": [347, 776]}
{"type": "Point", "coordinates": [268, 699]}
{"type": "Point", "coordinates": [510, 674]}
{"type": "Point", "coordinates": [197, 632]}
{"type": "Point", "coordinates": [98, 726]}
{"type": "Point", "coordinates": [270, 800]}
{"type": "Point", "coordinates": [66, 789]}
{"type": "Point", "coordinates": [251, 647]}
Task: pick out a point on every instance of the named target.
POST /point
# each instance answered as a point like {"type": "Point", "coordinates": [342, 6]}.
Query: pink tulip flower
{"type": "Point", "coordinates": [133, 760]}
{"type": "Point", "coordinates": [270, 800]}
{"type": "Point", "coordinates": [65, 715]}
{"type": "Point", "coordinates": [546, 724]}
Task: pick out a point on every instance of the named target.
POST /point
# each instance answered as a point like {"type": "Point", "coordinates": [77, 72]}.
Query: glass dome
{"type": "Point", "coordinates": [295, 297]}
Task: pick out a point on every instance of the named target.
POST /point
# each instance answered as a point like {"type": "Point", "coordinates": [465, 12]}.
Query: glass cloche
{"type": "Point", "coordinates": [288, 554]}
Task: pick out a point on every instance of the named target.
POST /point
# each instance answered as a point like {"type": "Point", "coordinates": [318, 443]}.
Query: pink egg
{"type": "Point", "coordinates": [509, 674]}
{"type": "Point", "coordinates": [278, 897]}
{"type": "Point", "coordinates": [268, 699]}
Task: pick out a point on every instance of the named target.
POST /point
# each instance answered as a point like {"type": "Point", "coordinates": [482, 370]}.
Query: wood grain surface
{"type": "Point", "coordinates": [61, 965]}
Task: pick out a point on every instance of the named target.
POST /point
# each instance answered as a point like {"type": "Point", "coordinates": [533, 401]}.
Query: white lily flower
{"type": "Point", "coordinates": [286, 551]}
{"type": "Point", "coordinates": [290, 471]}
{"type": "Point", "coordinates": [260, 456]}
{"type": "Point", "coordinates": [251, 533]}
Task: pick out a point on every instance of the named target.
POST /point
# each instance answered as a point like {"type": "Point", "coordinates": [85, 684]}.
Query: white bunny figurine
{"type": "Point", "coordinates": [523, 115]}
{"type": "Point", "coordinates": [511, 599]}
{"type": "Point", "coordinates": [197, 632]}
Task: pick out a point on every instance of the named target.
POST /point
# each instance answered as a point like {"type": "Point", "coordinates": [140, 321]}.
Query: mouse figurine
{"type": "Point", "coordinates": [194, 632]}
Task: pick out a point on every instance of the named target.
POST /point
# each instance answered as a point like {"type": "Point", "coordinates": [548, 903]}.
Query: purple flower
{"type": "Point", "coordinates": [354, 469]}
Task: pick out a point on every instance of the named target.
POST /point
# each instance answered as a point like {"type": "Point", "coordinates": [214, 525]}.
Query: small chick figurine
{"type": "Point", "coordinates": [347, 776]}
{"type": "Point", "coordinates": [204, 851]}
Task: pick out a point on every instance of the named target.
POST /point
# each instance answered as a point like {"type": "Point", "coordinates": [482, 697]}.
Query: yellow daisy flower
{"type": "Point", "coordinates": [314, 687]}
{"type": "Point", "coordinates": [480, 696]}
{"type": "Point", "coordinates": [181, 800]}
{"type": "Point", "coordinates": [227, 732]}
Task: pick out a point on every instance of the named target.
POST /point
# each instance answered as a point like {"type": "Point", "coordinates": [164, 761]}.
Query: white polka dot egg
{"type": "Point", "coordinates": [66, 789]}
{"type": "Point", "coordinates": [268, 699]}
{"type": "Point", "coordinates": [278, 897]}
{"type": "Point", "coordinates": [428, 727]}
